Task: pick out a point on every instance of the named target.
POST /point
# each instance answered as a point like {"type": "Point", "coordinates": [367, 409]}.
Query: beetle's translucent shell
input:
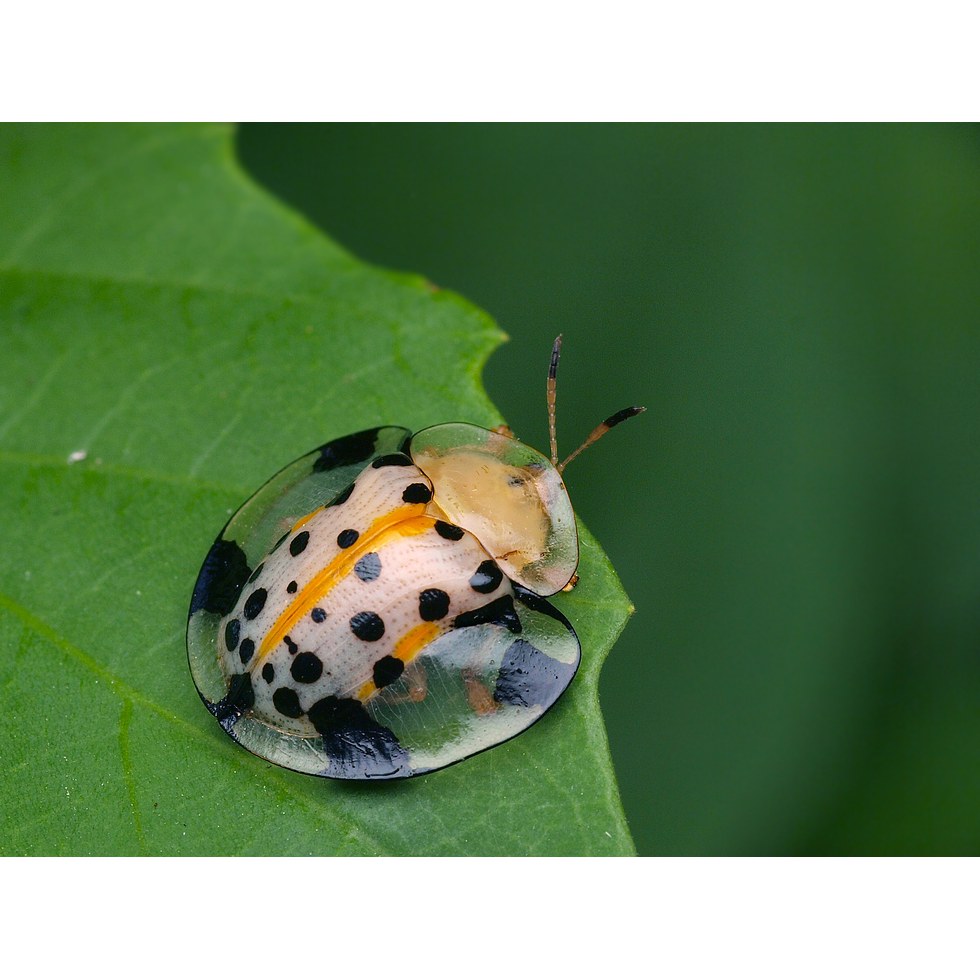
{"type": "Point", "coordinates": [374, 611]}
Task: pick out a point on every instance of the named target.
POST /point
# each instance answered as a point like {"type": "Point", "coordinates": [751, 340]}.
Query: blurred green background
{"type": "Point", "coordinates": [796, 517]}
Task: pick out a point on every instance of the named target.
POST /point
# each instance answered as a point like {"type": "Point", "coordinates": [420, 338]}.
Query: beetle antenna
{"type": "Point", "coordinates": [552, 398]}
{"type": "Point", "coordinates": [601, 429]}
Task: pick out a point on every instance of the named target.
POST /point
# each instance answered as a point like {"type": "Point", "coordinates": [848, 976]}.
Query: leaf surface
{"type": "Point", "coordinates": [171, 336]}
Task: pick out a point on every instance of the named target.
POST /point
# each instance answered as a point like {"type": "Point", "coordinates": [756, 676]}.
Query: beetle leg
{"type": "Point", "coordinates": [416, 685]}
{"type": "Point", "coordinates": [478, 694]}
{"type": "Point", "coordinates": [417, 681]}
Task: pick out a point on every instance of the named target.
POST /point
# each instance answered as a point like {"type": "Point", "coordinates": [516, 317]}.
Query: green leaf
{"type": "Point", "coordinates": [171, 336]}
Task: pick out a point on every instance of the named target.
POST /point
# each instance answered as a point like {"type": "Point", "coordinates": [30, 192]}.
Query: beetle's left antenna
{"type": "Point", "coordinates": [552, 399]}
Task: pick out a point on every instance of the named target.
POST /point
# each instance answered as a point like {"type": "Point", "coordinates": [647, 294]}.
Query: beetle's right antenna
{"type": "Point", "coordinates": [602, 428]}
{"type": "Point", "coordinates": [552, 398]}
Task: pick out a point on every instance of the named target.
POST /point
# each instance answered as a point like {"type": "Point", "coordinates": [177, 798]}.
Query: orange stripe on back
{"type": "Point", "coordinates": [400, 522]}
{"type": "Point", "coordinates": [406, 650]}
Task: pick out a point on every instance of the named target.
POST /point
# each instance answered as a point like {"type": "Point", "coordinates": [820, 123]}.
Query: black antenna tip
{"type": "Point", "coordinates": [623, 414]}
{"type": "Point", "coordinates": [555, 353]}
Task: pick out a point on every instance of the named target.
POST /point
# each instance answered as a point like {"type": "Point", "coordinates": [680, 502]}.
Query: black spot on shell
{"type": "Point", "coordinates": [530, 678]}
{"type": "Point", "coordinates": [367, 626]}
{"type": "Point", "coordinates": [240, 692]}
{"type": "Point", "coordinates": [533, 601]}
{"type": "Point", "coordinates": [448, 531]}
{"type": "Point", "coordinates": [392, 459]}
{"type": "Point", "coordinates": [221, 579]}
{"type": "Point", "coordinates": [359, 748]}
{"type": "Point", "coordinates": [246, 650]}
{"type": "Point", "coordinates": [298, 545]}
{"type": "Point", "coordinates": [347, 537]}
{"type": "Point", "coordinates": [268, 673]}
{"type": "Point", "coordinates": [433, 604]}
{"type": "Point", "coordinates": [500, 612]}
{"type": "Point", "coordinates": [417, 493]}
{"type": "Point", "coordinates": [255, 574]}
{"type": "Point", "coordinates": [346, 451]}
{"type": "Point", "coordinates": [290, 646]}
{"type": "Point", "coordinates": [255, 603]}
{"type": "Point", "coordinates": [342, 497]}
{"type": "Point", "coordinates": [286, 702]}
{"type": "Point", "coordinates": [318, 615]}
{"type": "Point", "coordinates": [306, 668]}
{"type": "Point", "coordinates": [487, 577]}
{"type": "Point", "coordinates": [239, 700]}
{"type": "Point", "coordinates": [233, 630]}
{"type": "Point", "coordinates": [387, 670]}
{"type": "Point", "coordinates": [368, 567]}
{"type": "Point", "coordinates": [332, 714]}
{"type": "Point", "coordinates": [292, 587]}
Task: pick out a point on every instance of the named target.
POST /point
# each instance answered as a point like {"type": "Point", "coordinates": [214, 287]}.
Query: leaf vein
{"type": "Point", "coordinates": [236, 290]}
{"type": "Point", "coordinates": [125, 717]}
{"type": "Point", "coordinates": [120, 471]}
{"type": "Point", "coordinates": [121, 689]}
{"type": "Point", "coordinates": [40, 390]}
{"type": "Point", "coordinates": [209, 449]}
